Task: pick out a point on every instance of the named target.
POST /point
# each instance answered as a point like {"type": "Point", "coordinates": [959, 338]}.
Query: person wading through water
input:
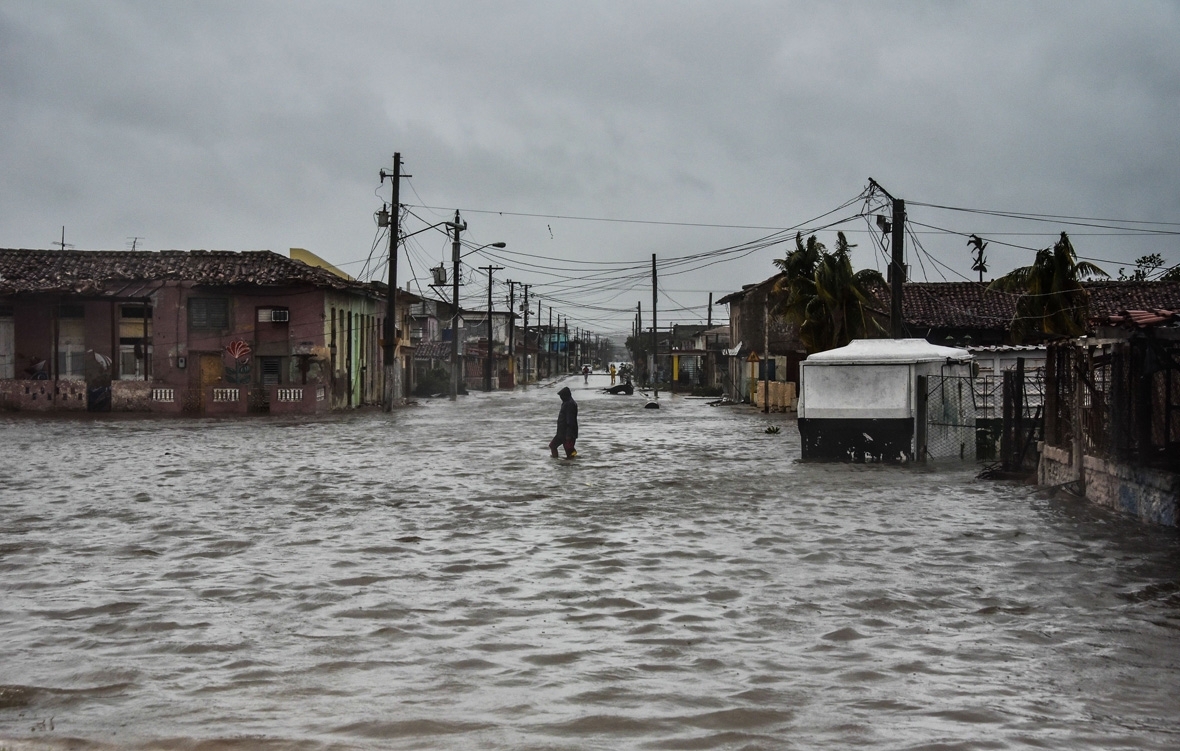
{"type": "Point", "coordinates": [567, 425]}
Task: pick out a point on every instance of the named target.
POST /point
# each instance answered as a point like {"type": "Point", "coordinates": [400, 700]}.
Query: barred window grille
{"type": "Point", "coordinates": [208, 313]}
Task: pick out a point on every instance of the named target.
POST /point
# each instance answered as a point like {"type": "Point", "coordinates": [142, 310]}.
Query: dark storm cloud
{"type": "Point", "coordinates": [263, 125]}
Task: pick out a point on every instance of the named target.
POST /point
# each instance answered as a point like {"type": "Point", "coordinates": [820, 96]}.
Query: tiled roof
{"type": "Point", "coordinates": [954, 305]}
{"type": "Point", "coordinates": [1141, 319]}
{"type": "Point", "coordinates": [110, 271]}
{"type": "Point", "coordinates": [1108, 298]}
{"type": "Point", "coordinates": [971, 305]}
{"type": "Point", "coordinates": [432, 351]}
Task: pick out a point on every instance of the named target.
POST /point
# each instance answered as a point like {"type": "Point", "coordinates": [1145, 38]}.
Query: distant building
{"type": "Point", "coordinates": [746, 356]}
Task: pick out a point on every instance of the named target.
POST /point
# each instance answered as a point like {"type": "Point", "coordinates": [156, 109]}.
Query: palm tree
{"type": "Point", "coordinates": [1052, 299]}
{"type": "Point", "coordinates": [824, 297]}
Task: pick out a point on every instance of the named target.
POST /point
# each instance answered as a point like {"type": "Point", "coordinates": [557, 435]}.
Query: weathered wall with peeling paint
{"type": "Point", "coordinates": [38, 396]}
{"type": "Point", "coordinates": [1149, 494]}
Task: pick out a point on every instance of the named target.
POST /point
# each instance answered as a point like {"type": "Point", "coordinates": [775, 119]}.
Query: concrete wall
{"type": "Point", "coordinates": [39, 396]}
{"type": "Point", "coordinates": [227, 400]}
{"type": "Point", "coordinates": [1149, 494]}
{"type": "Point", "coordinates": [131, 396]}
{"type": "Point", "coordinates": [296, 399]}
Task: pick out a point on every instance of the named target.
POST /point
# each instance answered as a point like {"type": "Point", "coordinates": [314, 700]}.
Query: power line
{"type": "Point", "coordinates": [1079, 221]}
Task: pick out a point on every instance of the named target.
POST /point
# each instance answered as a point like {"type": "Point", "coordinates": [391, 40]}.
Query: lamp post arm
{"type": "Point", "coordinates": [450, 225]}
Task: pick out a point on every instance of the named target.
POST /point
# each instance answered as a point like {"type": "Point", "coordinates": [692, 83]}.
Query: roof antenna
{"type": "Point", "coordinates": [135, 241]}
{"type": "Point", "coordinates": [63, 244]}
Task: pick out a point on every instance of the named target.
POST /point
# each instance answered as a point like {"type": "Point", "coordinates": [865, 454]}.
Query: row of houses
{"type": "Point", "coordinates": [220, 332]}
{"type": "Point", "coordinates": [1099, 414]}
{"type": "Point", "coordinates": [955, 314]}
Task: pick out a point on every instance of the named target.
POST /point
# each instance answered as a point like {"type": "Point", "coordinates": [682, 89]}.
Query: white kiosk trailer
{"type": "Point", "coordinates": [891, 400]}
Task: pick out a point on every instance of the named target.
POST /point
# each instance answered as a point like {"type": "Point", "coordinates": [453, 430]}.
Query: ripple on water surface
{"type": "Point", "coordinates": [432, 579]}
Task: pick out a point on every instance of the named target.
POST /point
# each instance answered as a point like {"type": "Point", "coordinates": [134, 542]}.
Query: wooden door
{"type": "Point", "coordinates": [210, 373]}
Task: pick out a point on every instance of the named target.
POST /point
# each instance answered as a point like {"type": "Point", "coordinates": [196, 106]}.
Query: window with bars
{"type": "Point", "coordinates": [208, 313]}
{"type": "Point", "coordinates": [271, 370]}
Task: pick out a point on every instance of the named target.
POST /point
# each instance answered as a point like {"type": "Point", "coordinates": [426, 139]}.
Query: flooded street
{"type": "Point", "coordinates": [433, 579]}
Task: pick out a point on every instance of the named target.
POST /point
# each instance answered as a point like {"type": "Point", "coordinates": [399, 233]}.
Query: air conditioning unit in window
{"type": "Point", "coordinates": [273, 315]}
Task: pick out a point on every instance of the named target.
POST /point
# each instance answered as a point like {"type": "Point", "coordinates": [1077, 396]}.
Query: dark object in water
{"type": "Point", "coordinates": [652, 405]}
{"type": "Point", "coordinates": [622, 388]}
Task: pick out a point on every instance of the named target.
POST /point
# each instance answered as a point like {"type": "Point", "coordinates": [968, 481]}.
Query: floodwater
{"type": "Point", "coordinates": [432, 579]}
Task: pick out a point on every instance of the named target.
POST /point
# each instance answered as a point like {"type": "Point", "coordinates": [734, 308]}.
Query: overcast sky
{"type": "Point", "coordinates": [263, 125]}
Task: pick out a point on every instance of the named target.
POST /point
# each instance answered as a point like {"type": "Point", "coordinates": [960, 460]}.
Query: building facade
{"type": "Point", "coordinates": [204, 332]}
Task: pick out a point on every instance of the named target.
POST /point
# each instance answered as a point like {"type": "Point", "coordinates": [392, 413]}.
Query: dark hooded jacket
{"type": "Point", "coordinates": [567, 419]}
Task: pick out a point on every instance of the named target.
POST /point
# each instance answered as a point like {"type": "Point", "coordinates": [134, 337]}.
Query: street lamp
{"type": "Point", "coordinates": [391, 338]}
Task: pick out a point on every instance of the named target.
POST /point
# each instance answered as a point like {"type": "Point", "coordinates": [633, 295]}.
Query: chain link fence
{"type": "Point", "coordinates": [946, 417]}
{"type": "Point", "coordinates": [991, 416]}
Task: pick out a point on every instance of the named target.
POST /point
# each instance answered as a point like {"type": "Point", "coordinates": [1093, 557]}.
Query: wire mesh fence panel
{"type": "Point", "coordinates": [950, 409]}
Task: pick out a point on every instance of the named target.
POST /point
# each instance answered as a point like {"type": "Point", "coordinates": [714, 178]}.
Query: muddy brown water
{"type": "Point", "coordinates": [432, 579]}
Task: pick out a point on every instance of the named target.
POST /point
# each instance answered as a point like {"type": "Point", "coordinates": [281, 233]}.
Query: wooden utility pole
{"type": "Point", "coordinates": [766, 354]}
{"type": "Point", "coordinates": [458, 226]}
{"type": "Point", "coordinates": [488, 361]}
{"type": "Point", "coordinates": [512, 331]}
{"type": "Point", "coordinates": [639, 338]}
{"type": "Point", "coordinates": [896, 264]}
{"type": "Point", "coordinates": [526, 333]}
{"type": "Point", "coordinates": [392, 386]}
{"type": "Point", "coordinates": [655, 333]}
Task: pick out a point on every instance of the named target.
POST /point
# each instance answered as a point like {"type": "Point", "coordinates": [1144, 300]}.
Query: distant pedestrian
{"type": "Point", "coordinates": [586, 374]}
{"type": "Point", "coordinates": [567, 425]}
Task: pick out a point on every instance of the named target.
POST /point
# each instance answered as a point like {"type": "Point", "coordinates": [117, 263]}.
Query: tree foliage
{"type": "Point", "coordinates": [1052, 300]}
{"type": "Point", "coordinates": [822, 294]}
{"type": "Point", "coordinates": [1148, 267]}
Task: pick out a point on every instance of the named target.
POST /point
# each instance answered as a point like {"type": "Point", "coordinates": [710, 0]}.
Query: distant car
{"type": "Point", "coordinates": [586, 366]}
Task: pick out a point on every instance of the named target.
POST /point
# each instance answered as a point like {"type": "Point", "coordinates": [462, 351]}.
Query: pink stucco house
{"type": "Point", "coordinates": [204, 332]}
